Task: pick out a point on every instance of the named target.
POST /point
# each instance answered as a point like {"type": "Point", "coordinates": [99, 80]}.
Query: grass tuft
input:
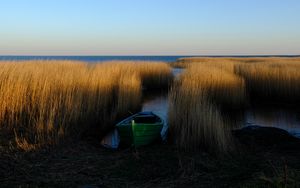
{"type": "Point", "coordinates": [195, 117]}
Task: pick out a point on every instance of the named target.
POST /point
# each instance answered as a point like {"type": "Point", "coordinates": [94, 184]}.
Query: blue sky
{"type": "Point", "coordinates": [149, 27]}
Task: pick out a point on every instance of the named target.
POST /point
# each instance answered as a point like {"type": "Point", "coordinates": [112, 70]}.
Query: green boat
{"type": "Point", "coordinates": [140, 129]}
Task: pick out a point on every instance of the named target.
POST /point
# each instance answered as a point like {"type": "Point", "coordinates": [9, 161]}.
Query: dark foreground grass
{"type": "Point", "coordinates": [160, 165]}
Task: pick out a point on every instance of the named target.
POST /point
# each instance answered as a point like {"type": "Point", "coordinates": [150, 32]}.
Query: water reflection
{"type": "Point", "coordinates": [280, 117]}
{"type": "Point", "coordinates": [177, 71]}
{"type": "Point", "coordinates": [157, 102]}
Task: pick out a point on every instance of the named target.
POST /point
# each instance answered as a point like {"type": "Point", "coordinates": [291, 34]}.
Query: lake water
{"type": "Point", "coordinates": [94, 58]}
{"type": "Point", "coordinates": [109, 58]}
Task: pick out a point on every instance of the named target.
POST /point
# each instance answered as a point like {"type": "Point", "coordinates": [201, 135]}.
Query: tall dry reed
{"type": "Point", "coordinates": [44, 102]}
{"type": "Point", "coordinates": [229, 62]}
{"type": "Point", "coordinates": [223, 87]}
{"type": "Point", "coordinates": [195, 100]}
{"type": "Point", "coordinates": [275, 81]}
{"type": "Point", "coordinates": [194, 122]}
{"type": "Point", "coordinates": [210, 85]}
{"type": "Point", "coordinates": [237, 59]}
{"type": "Point", "coordinates": [154, 75]}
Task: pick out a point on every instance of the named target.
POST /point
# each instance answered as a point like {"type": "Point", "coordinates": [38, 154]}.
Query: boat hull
{"type": "Point", "coordinates": [139, 133]}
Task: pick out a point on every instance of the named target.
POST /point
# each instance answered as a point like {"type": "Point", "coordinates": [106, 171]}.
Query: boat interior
{"type": "Point", "coordinates": [146, 119]}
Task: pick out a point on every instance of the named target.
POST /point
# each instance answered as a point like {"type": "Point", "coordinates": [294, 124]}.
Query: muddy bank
{"type": "Point", "coordinates": [87, 163]}
{"type": "Point", "coordinates": [267, 137]}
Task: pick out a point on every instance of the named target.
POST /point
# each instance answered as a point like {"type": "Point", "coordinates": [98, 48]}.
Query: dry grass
{"type": "Point", "coordinates": [44, 102]}
{"type": "Point", "coordinates": [222, 63]}
{"type": "Point", "coordinates": [273, 81]}
{"type": "Point", "coordinates": [238, 59]}
{"type": "Point", "coordinates": [221, 85]}
{"type": "Point", "coordinates": [229, 62]}
{"type": "Point", "coordinates": [195, 100]}
{"type": "Point", "coordinates": [196, 124]}
{"type": "Point", "coordinates": [210, 85]}
{"type": "Point", "coordinates": [154, 75]}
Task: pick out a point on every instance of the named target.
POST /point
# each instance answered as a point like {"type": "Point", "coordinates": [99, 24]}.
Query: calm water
{"type": "Point", "coordinates": [109, 58]}
{"type": "Point", "coordinates": [158, 103]}
{"type": "Point", "coordinates": [287, 118]}
{"type": "Point", "coordinates": [94, 58]}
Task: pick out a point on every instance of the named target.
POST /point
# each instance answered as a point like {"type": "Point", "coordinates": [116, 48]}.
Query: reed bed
{"type": "Point", "coordinates": [222, 63]}
{"type": "Point", "coordinates": [44, 102]}
{"type": "Point", "coordinates": [225, 89]}
{"type": "Point", "coordinates": [238, 59]}
{"type": "Point", "coordinates": [229, 62]}
{"type": "Point", "coordinates": [196, 100]}
{"type": "Point", "coordinates": [154, 75]}
{"type": "Point", "coordinates": [272, 79]}
{"type": "Point", "coordinates": [210, 85]}
{"type": "Point", "coordinates": [275, 81]}
{"type": "Point", "coordinates": [194, 123]}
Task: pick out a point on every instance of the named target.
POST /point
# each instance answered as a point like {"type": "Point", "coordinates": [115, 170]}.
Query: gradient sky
{"type": "Point", "coordinates": [149, 27]}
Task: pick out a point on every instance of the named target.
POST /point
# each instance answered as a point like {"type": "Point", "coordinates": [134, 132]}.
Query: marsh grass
{"type": "Point", "coordinates": [272, 79]}
{"type": "Point", "coordinates": [154, 75]}
{"type": "Point", "coordinates": [196, 124]}
{"type": "Point", "coordinates": [196, 99]}
{"type": "Point", "coordinates": [277, 82]}
{"type": "Point", "coordinates": [44, 102]}
{"type": "Point", "coordinates": [222, 63]}
{"type": "Point", "coordinates": [238, 59]}
{"type": "Point", "coordinates": [210, 86]}
{"type": "Point", "coordinates": [221, 85]}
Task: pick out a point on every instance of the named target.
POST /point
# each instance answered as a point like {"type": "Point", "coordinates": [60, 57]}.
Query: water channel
{"type": "Point", "coordinates": [287, 118]}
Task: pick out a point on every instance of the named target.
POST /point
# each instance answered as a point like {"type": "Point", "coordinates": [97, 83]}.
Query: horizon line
{"type": "Point", "coordinates": [137, 55]}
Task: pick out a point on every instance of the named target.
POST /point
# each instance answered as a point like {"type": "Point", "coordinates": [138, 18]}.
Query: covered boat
{"type": "Point", "coordinates": [140, 129]}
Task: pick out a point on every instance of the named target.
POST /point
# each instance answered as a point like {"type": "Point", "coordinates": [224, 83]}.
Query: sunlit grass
{"type": "Point", "coordinates": [222, 86]}
{"type": "Point", "coordinates": [210, 86]}
{"type": "Point", "coordinates": [272, 81]}
{"type": "Point", "coordinates": [44, 102]}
